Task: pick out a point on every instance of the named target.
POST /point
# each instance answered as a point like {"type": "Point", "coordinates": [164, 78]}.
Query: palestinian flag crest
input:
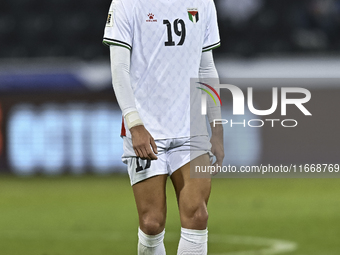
{"type": "Point", "coordinates": [193, 14]}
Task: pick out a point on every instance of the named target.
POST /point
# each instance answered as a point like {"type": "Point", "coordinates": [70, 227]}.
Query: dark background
{"type": "Point", "coordinates": [61, 28]}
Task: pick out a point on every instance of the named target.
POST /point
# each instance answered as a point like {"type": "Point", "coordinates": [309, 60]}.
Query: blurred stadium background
{"type": "Point", "coordinates": [59, 117]}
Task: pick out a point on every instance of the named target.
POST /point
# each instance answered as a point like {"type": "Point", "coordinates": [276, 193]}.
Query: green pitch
{"type": "Point", "coordinates": [97, 216]}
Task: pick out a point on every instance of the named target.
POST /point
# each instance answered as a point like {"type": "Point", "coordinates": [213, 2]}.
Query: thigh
{"type": "Point", "coordinates": [192, 193]}
{"type": "Point", "coordinates": [150, 199]}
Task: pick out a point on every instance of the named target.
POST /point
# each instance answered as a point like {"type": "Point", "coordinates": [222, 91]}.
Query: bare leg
{"type": "Point", "coordinates": [192, 197]}
{"type": "Point", "coordinates": [151, 205]}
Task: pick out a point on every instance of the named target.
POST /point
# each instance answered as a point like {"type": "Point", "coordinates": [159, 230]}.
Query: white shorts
{"type": "Point", "coordinates": [172, 154]}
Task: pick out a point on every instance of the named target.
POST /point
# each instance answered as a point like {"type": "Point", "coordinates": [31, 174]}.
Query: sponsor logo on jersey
{"type": "Point", "coordinates": [109, 21]}
{"type": "Point", "coordinates": [193, 14]}
{"type": "Point", "coordinates": [151, 18]}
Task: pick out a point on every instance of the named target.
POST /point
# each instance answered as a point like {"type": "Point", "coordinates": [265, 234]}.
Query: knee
{"type": "Point", "coordinates": [152, 224]}
{"type": "Point", "coordinates": [201, 215]}
{"type": "Point", "coordinates": [195, 216]}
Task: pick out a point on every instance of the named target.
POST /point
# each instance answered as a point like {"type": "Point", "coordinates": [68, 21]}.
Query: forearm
{"type": "Point", "coordinates": [120, 69]}
{"type": "Point", "coordinates": [208, 73]}
{"type": "Point", "coordinates": [217, 130]}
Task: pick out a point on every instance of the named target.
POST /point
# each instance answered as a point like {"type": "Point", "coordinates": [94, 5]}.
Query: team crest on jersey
{"type": "Point", "coordinates": [109, 21]}
{"type": "Point", "coordinates": [193, 14]}
{"type": "Point", "coordinates": [151, 18]}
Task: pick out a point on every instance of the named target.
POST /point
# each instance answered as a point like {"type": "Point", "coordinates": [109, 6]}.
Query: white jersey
{"type": "Point", "coordinates": [166, 39]}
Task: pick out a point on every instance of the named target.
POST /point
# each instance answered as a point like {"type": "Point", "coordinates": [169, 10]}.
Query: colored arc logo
{"type": "Point", "coordinates": [209, 93]}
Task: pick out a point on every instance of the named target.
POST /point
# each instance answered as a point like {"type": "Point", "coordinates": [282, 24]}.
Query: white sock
{"type": "Point", "coordinates": [193, 242]}
{"type": "Point", "coordinates": [149, 244]}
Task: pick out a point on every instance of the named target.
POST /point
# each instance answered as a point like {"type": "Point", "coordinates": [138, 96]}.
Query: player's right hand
{"type": "Point", "coordinates": [143, 143]}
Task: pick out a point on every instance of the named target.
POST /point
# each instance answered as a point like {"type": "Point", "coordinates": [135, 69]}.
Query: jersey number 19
{"type": "Point", "coordinates": [179, 28]}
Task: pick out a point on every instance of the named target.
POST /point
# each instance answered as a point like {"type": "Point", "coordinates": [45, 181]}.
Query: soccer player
{"type": "Point", "coordinates": [156, 46]}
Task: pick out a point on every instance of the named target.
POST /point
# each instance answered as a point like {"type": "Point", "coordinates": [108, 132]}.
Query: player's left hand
{"type": "Point", "coordinates": [217, 147]}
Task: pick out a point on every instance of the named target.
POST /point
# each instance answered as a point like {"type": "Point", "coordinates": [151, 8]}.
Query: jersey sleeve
{"type": "Point", "coordinates": [118, 29]}
{"type": "Point", "coordinates": [212, 36]}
